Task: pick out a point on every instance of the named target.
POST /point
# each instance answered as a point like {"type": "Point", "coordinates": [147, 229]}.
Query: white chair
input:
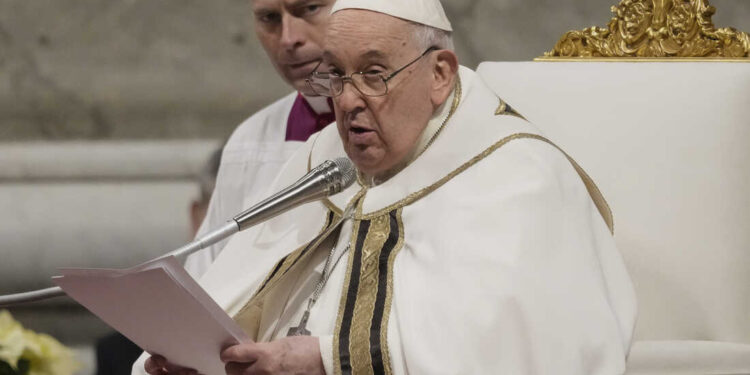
{"type": "Point", "coordinates": [668, 143]}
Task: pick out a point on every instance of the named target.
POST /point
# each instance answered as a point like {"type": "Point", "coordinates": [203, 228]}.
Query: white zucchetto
{"type": "Point", "coordinates": [425, 12]}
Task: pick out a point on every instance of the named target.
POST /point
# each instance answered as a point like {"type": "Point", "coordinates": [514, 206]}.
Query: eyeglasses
{"type": "Point", "coordinates": [367, 83]}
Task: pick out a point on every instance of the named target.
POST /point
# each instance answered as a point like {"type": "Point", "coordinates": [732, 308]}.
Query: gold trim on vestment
{"type": "Point", "coordinates": [364, 309]}
{"type": "Point", "coordinates": [359, 313]}
{"type": "Point", "coordinates": [347, 281]}
{"type": "Point", "coordinates": [596, 195]}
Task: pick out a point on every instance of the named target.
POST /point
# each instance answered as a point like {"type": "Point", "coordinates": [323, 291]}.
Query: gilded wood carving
{"type": "Point", "coordinates": [656, 28]}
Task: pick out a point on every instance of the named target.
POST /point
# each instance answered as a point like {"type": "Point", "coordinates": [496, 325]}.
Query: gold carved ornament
{"type": "Point", "coordinates": [655, 29]}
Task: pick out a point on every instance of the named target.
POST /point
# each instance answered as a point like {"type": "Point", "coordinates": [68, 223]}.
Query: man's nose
{"type": "Point", "coordinates": [350, 100]}
{"type": "Point", "coordinates": [292, 32]}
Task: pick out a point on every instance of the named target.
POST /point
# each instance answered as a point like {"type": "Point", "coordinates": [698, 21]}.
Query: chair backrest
{"type": "Point", "coordinates": [668, 145]}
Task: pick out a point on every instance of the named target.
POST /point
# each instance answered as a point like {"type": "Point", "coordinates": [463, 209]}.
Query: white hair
{"type": "Point", "coordinates": [428, 36]}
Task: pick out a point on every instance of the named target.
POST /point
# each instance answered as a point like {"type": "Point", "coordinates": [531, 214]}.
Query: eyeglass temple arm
{"type": "Point", "coordinates": [390, 76]}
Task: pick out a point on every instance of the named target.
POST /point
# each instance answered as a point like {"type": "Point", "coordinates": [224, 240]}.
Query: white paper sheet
{"type": "Point", "coordinates": [158, 306]}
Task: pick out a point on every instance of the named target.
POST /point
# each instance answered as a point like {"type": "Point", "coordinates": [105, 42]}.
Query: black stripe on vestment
{"type": "Point", "coordinates": [351, 299]}
{"type": "Point", "coordinates": [377, 317]}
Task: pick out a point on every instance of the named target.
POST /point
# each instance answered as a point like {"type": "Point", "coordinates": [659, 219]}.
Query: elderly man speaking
{"type": "Point", "coordinates": [470, 245]}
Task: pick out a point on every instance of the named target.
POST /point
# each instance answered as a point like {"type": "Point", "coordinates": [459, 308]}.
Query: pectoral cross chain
{"type": "Point", "coordinates": [301, 328]}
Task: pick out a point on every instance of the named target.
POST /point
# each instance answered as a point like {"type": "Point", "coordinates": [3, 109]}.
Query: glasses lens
{"type": "Point", "coordinates": [370, 84]}
{"type": "Point", "coordinates": [320, 83]}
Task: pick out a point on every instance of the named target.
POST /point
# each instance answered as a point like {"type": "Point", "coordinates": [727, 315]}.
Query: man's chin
{"type": "Point", "coordinates": [366, 163]}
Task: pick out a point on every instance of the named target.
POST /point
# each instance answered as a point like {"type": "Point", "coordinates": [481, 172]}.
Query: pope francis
{"type": "Point", "coordinates": [470, 245]}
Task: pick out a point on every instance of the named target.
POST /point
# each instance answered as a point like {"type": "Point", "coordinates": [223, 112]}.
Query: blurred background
{"type": "Point", "coordinates": [111, 109]}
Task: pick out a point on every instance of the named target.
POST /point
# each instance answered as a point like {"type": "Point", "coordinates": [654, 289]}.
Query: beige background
{"type": "Point", "coordinates": [135, 69]}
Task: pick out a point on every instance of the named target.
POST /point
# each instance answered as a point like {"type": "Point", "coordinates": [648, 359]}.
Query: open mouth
{"type": "Point", "coordinates": [358, 130]}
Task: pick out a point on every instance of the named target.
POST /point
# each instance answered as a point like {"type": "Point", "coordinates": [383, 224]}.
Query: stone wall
{"type": "Point", "coordinates": [144, 69]}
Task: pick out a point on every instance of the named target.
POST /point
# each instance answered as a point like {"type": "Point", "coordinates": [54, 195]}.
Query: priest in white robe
{"type": "Point", "coordinates": [292, 36]}
{"type": "Point", "coordinates": [469, 245]}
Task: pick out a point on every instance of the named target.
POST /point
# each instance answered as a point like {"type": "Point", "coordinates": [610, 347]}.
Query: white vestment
{"type": "Point", "coordinates": [485, 255]}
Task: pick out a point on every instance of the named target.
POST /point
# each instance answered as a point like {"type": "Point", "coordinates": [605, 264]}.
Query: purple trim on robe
{"type": "Point", "coordinates": [304, 122]}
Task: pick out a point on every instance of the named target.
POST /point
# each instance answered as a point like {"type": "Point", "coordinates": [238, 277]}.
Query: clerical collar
{"type": "Point", "coordinates": [307, 116]}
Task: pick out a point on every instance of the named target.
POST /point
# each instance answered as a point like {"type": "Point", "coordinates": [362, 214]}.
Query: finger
{"type": "Point", "coordinates": [243, 353]}
{"type": "Point", "coordinates": [155, 364]}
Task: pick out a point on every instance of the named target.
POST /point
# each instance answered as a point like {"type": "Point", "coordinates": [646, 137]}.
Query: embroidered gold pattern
{"type": "Point", "coordinates": [347, 281]}
{"type": "Point", "coordinates": [359, 337]}
{"type": "Point", "coordinates": [653, 29]}
{"type": "Point", "coordinates": [361, 330]}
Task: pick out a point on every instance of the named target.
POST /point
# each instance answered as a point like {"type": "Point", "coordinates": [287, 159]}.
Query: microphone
{"type": "Point", "coordinates": [330, 177]}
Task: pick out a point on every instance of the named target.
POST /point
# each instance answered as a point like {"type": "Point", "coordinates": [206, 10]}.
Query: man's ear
{"type": "Point", "coordinates": [444, 74]}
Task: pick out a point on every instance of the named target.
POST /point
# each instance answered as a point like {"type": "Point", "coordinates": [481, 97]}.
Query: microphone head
{"type": "Point", "coordinates": [345, 173]}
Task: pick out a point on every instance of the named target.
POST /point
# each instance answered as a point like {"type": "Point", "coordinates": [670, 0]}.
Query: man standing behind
{"type": "Point", "coordinates": [291, 32]}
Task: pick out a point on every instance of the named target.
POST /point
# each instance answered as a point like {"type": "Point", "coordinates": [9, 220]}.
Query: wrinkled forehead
{"type": "Point", "coordinates": [355, 33]}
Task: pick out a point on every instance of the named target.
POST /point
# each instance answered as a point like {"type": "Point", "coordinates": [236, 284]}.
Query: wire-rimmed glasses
{"type": "Point", "coordinates": [369, 84]}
